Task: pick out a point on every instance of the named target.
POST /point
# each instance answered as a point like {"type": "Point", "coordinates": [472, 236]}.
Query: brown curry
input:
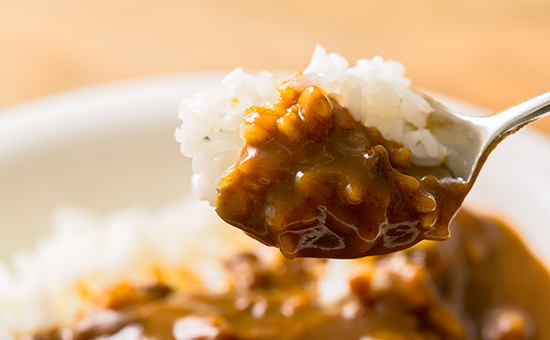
{"type": "Point", "coordinates": [315, 182]}
{"type": "Point", "coordinates": [481, 284]}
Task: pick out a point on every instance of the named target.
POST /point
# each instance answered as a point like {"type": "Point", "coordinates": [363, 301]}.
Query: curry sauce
{"type": "Point", "coordinates": [481, 284]}
{"type": "Point", "coordinates": [315, 182]}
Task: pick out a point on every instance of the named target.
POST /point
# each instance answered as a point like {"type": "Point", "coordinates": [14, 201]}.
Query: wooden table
{"type": "Point", "coordinates": [493, 52]}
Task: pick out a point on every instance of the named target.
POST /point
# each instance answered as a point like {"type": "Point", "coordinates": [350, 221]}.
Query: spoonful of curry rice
{"type": "Point", "coordinates": [337, 162]}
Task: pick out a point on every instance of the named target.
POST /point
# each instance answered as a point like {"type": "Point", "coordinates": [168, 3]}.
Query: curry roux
{"type": "Point", "coordinates": [481, 284]}
{"type": "Point", "coordinates": [315, 182]}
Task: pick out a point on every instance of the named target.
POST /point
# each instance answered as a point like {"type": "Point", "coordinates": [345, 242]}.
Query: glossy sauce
{"type": "Point", "coordinates": [480, 284]}
{"type": "Point", "coordinates": [314, 182]}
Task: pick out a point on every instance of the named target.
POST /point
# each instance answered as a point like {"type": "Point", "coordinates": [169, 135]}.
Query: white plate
{"type": "Point", "coordinates": [109, 147]}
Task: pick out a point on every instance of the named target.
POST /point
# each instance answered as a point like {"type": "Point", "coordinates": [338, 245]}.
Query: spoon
{"type": "Point", "coordinates": [470, 140]}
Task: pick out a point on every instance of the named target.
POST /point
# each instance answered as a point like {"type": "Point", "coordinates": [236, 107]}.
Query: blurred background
{"type": "Point", "coordinates": [493, 52]}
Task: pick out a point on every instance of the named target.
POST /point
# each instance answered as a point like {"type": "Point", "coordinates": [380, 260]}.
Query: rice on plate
{"type": "Point", "coordinates": [86, 255]}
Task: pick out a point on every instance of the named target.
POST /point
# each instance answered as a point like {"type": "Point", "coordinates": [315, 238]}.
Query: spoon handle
{"type": "Point", "coordinates": [512, 119]}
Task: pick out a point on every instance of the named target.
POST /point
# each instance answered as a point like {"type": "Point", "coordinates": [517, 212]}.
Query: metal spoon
{"type": "Point", "coordinates": [469, 140]}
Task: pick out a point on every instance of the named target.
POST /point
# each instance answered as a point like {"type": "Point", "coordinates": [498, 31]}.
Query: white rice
{"type": "Point", "coordinates": [375, 91]}
{"type": "Point", "coordinates": [43, 286]}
